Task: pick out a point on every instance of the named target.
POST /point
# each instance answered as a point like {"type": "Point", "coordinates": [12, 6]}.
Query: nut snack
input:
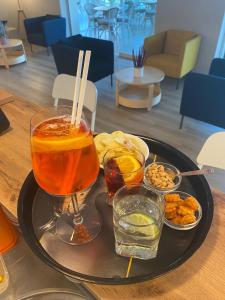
{"type": "Point", "coordinates": [159, 177]}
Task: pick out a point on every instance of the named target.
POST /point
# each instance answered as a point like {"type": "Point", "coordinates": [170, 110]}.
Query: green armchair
{"type": "Point", "coordinates": [174, 52]}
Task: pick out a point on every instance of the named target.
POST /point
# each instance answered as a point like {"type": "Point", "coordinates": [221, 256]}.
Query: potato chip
{"type": "Point", "coordinates": [105, 141]}
{"type": "Point", "coordinates": [118, 133]}
{"type": "Point", "coordinates": [101, 136]}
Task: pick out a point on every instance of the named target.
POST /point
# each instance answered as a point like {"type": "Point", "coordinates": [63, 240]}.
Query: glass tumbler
{"type": "Point", "coordinates": [122, 166]}
{"type": "Point", "coordinates": [138, 217]}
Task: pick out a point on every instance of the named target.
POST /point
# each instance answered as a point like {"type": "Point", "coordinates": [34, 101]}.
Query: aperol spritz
{"type": "Point", "coordinates": [65, 162]}
{"type": "Point", "coordinates": [64, 157]}
{"type": "Point", "coordinates": [122, 166]}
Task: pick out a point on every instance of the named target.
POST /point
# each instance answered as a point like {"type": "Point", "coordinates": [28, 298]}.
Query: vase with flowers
{"type": "Point", "coordinates": [138, 61]}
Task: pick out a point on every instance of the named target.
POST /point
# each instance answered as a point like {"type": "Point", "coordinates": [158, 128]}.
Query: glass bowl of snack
{"type": "Point", "coordinates": [182, 210]}
{"type": "Point", "coordinates": [162, 177]}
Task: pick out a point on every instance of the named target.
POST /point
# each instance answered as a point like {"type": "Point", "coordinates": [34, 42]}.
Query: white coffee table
{"type": "Point", "coordinates": [12, 53]}
{"type": "Point", "coordinates": [138, 92]}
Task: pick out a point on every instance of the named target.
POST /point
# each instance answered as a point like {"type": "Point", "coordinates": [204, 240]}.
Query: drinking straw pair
{"type": "Point", "coordinates": [80, 87]}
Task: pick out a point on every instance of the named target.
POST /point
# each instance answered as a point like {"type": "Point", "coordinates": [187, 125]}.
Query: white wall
{"type": "Point", "coordinates": [8, 9]}
{"type": "Point", "coordinates": [202, 16]}
{"type": "Point", "coordinates": [69, 10]}
{"type": "Point", "coordinates": [35, 8]}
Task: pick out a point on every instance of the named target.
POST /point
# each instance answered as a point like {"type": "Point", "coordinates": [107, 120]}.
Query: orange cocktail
{"type": "Point", "coordinates": [64, 157]}
{"type": "Point", "coordinates": [122, 166]}
{"type": "Point", "coordinates": [8, 236]}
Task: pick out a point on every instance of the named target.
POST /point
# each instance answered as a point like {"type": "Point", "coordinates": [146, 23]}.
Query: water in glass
{"type": "Point", "coordinates": [138, 219]}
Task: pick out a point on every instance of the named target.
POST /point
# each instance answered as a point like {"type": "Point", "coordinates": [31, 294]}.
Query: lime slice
{"type": "Point", "coordinates": [143, 224]}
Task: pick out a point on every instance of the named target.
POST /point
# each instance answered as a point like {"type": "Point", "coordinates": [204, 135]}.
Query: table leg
{"type": "Point", "coordinates": [150, 96]}
{"type": "Point", "coordinates": [157, 89]}
{"type": "Point", "coordinates": [5, 58]}
{"type": "Point", "coordinates": [117, 92]}
{"type": "Point", "coordinates": [24, 52]}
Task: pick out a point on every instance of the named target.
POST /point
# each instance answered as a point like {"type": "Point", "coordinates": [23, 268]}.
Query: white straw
{"type": "Point", "coordinates": [83, 87]}
{"type": "Point", "coordinates": [77, 86]}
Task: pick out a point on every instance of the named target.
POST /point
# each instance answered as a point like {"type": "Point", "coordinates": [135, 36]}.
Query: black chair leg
{"type": "Point", "coordinates": [31, 48]}
{"type": "Point", "coordinates": [177, 84]}
{"type": "Point", "coordinates": [111, 79]}
{"type": "Point", "coordinates": [181, 122]}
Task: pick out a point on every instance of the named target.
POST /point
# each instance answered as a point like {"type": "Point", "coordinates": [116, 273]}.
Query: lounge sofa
{"type": "Point", "coordinates": [203, 95]}
{"type": "Point", "coordinates": [66, 53]}
{"type": "Point", "coordinates": [174, 52]}
{"type": "Point", "coordinates": [45, 30]}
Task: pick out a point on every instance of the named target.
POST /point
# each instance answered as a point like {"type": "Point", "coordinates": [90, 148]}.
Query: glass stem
{"type": "Point", "coordinates": [77, 218]}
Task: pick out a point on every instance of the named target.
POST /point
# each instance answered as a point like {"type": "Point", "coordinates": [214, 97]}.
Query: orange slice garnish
{"type": "Point", "coordinates": [47, 144]}
{"type": "Point", "coordinates": [128, 166]}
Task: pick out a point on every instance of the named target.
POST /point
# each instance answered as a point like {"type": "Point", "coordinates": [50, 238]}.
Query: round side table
{"type": "Point", "coordinates": [138, 92]}
{"type": "Point", "coordinates": [12, 53]}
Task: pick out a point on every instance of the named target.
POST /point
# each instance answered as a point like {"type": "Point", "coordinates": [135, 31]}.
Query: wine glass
{"type": "Point", "coordinates": [65, 162]}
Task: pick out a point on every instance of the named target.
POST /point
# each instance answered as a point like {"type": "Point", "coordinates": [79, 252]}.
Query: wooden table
{"type": "Point", "coordinates": [201, 277]}
{"type": "Point", "coordinates": [104, 8]}
{"type": "Point", "coordinates": [15, 161]}
{"type": "Point", "coordinates": [138, 92]}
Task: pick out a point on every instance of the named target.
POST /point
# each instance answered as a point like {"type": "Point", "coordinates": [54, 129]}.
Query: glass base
{"type": "Point", "coordinates": [136, 251]}
{"type": "Point", "coordinates": [81, 233]}
{"type": "Point", "coordinates": [49, 225]}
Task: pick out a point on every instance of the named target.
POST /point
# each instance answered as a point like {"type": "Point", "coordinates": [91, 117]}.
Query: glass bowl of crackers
{"type": "Point", "coordinates": [162, 177]}
{"type": "Point", "coordinates": [182, 210]}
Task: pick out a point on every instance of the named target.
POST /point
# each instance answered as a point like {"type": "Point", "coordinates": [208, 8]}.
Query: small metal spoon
{"type": "Point", "coordinates": [197, 172]}
{"type": "Point", "coordinates": [191, 173]}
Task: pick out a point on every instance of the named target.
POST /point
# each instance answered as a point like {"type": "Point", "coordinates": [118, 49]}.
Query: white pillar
{"type": "Point", "coordinates": [69, 10]}
{"type": "Point", "coordinates": [220, 48]}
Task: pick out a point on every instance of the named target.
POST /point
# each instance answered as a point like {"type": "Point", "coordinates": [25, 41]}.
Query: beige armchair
{"type": "Point", "coordinates": [174, 52]}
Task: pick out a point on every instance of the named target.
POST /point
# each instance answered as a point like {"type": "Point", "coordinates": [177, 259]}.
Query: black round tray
{"type": "Point", "coordinates": [97, 261]}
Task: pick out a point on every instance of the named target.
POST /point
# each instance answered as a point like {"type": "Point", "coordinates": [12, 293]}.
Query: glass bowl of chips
{"type": "Point", "coordinates": [107, 141]}
{"type": "Point", "coordinates": [182, 210]}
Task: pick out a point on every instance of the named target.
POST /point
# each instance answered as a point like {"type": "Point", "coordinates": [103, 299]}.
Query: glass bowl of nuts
{"type": "Point", "coordinates": [162, 177]}
{"type": "Point", "coordinates": [182, 211]}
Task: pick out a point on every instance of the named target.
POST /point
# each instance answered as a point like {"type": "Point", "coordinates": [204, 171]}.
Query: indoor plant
{"type": "Point", "coordinates": [138, 61]}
